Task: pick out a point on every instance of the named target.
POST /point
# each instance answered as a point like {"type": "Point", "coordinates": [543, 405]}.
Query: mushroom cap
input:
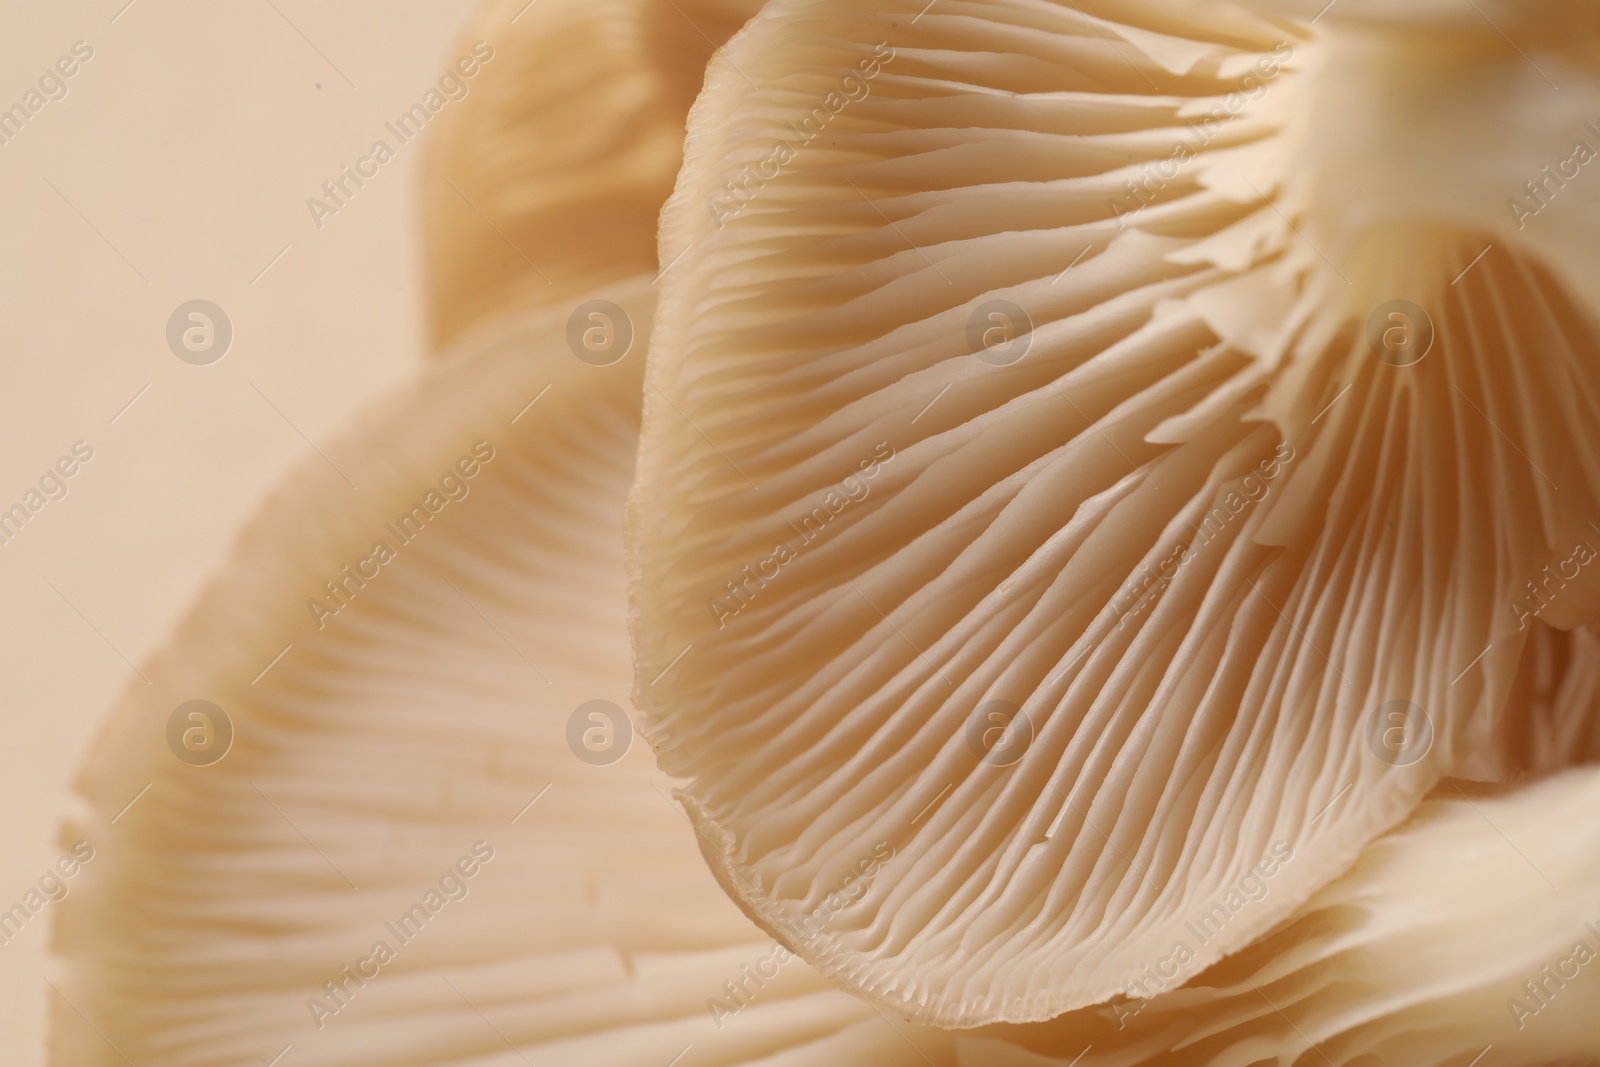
{"type": "Point", "coordinates": [545, 181]}
{"type": "Point", "coordinates": [1472, 927]}
{"type": "Point", "coordinates": [388, 730]}
{"type": "Point", "coordinates": [428, 724]}
{"type": "Point", "coordinates": [425, 748]}
{"type": "Point", "coordinates": [1035, 477]}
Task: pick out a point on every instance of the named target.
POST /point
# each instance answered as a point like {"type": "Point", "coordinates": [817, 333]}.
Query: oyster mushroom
{"type": "Point", "coordinates": [407, 729]}
{"type": "Point", "coordinates": [1470, 933]}
{"type": "Point", "coordinates": [425, 730]}
{"type": "Point", "coordinates": [550, 183]}
{"type": "Point", "coordinates": [420, 725]}
{"type": "Point", "coordinates": [412, 852]}
{"type": "Point", "coordinates": [1075, 433]}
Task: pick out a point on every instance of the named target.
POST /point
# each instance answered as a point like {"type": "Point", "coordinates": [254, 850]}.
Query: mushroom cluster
{"type": "Point", "coordinates": [1076, 547]}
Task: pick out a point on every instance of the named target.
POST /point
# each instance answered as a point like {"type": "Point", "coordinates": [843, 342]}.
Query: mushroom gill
{"type": "Point", "coordinates": [1466, 936]}
{"type": "Point", "coordinates": [418, 751]}
{"type": "Point", "coordinates": [433, 839]}
{"type": "Point", "coordinates": [408, 847]}
{"type": "Point", "coordinates": [1015, 785]}
{"type": "Point", "coordinates": [1088, 444]}
{"type": "Point", "coordinates": [549, 184]}
{"type": "Point", "coordinates": [388, 741]}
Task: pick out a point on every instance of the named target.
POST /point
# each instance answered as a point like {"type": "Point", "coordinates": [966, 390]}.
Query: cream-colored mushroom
{"type": "Point", "coordinates": [1470, 934]}
{"type": "Point", "coordinates": [400, 667]}
{"type": "Point", "coordinates": [410, 727]}
{"type": "Point", "coordinates": [1086, 444]}
{"type": "Point", "coordinates": [413, 753]}
{"type": "Point", "coordinates": [414, 759]}
{"type": "Point", "coordinates": [423, 732]}
{"type": "Point", "coordinates": [550, 183]}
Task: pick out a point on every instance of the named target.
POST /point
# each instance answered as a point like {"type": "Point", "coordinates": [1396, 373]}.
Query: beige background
{"type": "Point", "coordinates": [190, 142]}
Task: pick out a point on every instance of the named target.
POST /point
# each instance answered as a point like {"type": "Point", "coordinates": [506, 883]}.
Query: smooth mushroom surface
{"type": "Point", "coordinates": [1086, 444]}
